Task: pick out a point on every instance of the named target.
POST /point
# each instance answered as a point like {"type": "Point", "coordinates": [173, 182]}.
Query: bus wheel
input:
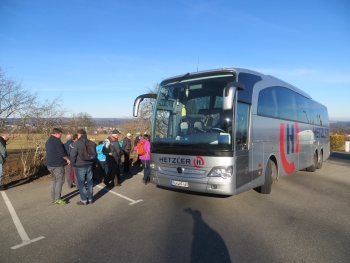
{"type": "Point", "coordinates": [319, 164]}
{"type": "Point", "coordinates": [312, 168]}
{"type": "Point", "coordinates": [270, 176]}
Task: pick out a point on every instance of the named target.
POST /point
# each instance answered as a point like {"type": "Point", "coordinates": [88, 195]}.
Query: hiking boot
{"type": "Point", "coordinates": [81, 203]}
{"type": "Point", "coordinates": [90, 202]}
{"type": "Point", "coordinates": [60, 202]}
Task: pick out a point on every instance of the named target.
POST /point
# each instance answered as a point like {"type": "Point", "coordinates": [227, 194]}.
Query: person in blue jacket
{"type": "Point", "coordinates": [101, 157]}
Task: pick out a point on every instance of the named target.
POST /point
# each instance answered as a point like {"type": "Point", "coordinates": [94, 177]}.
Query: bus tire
{"type": "Point", "coordinates": [270, 176]}
{"type": "Point", "coordinates": [320, 162]}
{"type": "Point", "coordinates": [312, 168]}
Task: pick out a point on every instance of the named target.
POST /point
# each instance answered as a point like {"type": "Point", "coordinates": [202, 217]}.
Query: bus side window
{"type": "Point", "coordinates": [286, 104]}
{"type": "Point", "coordinates": [303, 114]}
{"type": "Point", "coordinates": [267, 103]}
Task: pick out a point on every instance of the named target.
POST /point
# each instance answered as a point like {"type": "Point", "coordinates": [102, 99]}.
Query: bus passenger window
{"type": "Point", "coordinates": [267, 103]}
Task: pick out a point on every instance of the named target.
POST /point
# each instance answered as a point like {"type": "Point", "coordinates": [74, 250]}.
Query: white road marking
{"type": "Point", "coordinates": [18, 224]}
{"type": "Point", "coordinates": [127, 198]}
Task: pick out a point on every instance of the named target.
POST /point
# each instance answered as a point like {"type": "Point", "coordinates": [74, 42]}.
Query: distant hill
{"type": "Point", "coordinates": [109, 122]}
{"type": "Point", "coordinates": [340, 127]}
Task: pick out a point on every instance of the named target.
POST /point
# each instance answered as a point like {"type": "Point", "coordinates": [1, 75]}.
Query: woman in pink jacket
{"type": "Point", "coordinates": [145, 158]}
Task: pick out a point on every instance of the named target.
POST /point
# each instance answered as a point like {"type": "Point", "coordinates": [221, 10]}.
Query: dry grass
{"type": "Point", "coordinates": [20, 141]}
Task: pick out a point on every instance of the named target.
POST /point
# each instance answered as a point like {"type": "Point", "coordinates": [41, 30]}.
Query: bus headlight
{"type": "Point", "coordinates": [223, 172]}
{"type": "Point", "coordinates": [152, 165]}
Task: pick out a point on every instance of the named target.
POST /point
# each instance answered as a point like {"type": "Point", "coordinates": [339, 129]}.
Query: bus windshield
{"type": "Point", "coordinates": [189, 112]}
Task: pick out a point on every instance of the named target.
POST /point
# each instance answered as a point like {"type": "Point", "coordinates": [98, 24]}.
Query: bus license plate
{"type": "Point", "coordinates": [178, 183]}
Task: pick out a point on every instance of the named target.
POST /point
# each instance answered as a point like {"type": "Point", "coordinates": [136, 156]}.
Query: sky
{"type": "Point", "coordinates": [98, 56]}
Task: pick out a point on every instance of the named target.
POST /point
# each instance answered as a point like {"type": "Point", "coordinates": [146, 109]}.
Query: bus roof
{"type": "Point", "coordinates": [237, 71]}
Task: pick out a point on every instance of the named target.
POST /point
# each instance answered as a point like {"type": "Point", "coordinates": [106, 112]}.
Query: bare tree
{"type": "Point", "coordinates": [14, 99]}
{"type": "Point", "coordinates": [41, 117]}
{"type": "Point", "coordinates": [80, 120]}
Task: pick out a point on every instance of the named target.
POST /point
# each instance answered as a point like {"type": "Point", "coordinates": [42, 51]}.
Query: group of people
{"type": "Point", "coordinates": [68, 159]}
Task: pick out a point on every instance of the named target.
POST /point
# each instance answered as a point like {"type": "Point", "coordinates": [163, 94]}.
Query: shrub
{"type": "Point", "coordinates": [337, 141]}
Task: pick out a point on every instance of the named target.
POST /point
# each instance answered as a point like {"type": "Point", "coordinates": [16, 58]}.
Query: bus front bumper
{"type": "Point", "coordinates": [211, 185]}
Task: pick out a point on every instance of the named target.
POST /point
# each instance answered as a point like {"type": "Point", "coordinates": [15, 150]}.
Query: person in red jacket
{"type": "Point", "coordinates": [145, 158]}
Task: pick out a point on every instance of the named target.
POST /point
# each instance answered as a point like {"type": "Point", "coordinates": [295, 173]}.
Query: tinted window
{"type": "Point", "coordinates": [249, 81]}
{"type": "Point", "coordinates": [314, 113]}
{"type": "Point", "coordinates": [302, 109]}
{"type": "Point", "coordinates": [279, 102]}
{"type": "Point", "coordinates": [324, 117]}
{"type": "Point", "coordinates": [267, 103]}
{"type": "Point", "coordinates": [286, 104]}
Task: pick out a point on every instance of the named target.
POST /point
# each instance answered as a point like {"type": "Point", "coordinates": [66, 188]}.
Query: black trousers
{"type": "Point", "coordinates": [114, 171]}
{"type": "Point", "coordinates": [126, 162]}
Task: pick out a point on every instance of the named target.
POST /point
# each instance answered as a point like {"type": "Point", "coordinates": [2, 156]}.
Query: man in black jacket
{"type": "Point", "coordinates": [56, 159]}
{"type": "Point", "coordinates": [127, 147]}
{"type": "Point", "coordinates": [113, 159]}
{"type": "Point", "coordinates": [82, 168]}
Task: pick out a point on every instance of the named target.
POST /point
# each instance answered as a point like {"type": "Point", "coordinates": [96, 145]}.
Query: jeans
{"type": "Point", "coordinates": [0, 173]}
{"type": "Point", "coordinates": [84, 174]}
{"type": "Point", "coordinates": [57, 175]}
{"type": "Point", "coordinates": [67, 169]}
{"type": "Point", "coordinates": [146, 169]}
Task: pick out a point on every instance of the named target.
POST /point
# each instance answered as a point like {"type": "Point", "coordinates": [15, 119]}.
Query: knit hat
{"type": "Point", "coordinates": [116, 132]}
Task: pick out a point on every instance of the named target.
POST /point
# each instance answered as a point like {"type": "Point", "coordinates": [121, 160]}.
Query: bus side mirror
{"type": "Point", "coordinates": [139, 99]}
{"type": "Point", "coordinates": [229, 94]}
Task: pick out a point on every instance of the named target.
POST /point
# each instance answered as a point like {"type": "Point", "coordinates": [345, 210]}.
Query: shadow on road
{"type": "Point", "coordinates": [70, 195]}
{"type": "Point", "coordinates": [207, 244]}
{"type": "Point", "coordinates": [339, 158]}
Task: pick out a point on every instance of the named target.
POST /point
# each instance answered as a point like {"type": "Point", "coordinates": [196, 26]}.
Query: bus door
{"type": "Point", "coordinates": [243, 176]}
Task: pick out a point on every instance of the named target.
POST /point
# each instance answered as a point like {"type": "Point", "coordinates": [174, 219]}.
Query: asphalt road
{"type": "Point", "coordinates": [306, 218]}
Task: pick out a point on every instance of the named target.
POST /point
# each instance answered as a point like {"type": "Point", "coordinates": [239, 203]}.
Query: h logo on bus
{"type": "Point", "coordinates": [292, 144]}
{"type": "Point", "coordinates": [198, 162]}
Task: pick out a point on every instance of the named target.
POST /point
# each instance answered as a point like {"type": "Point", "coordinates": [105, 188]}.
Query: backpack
{"type": "Point", "coordinates": [140, 148]}
{"type": "Point", "coordinates": [89, 151]}
{"type": "Point", "coordinates": [121, 143]}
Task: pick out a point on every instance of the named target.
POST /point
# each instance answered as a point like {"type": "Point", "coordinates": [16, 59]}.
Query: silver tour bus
{"type": "Point", "coordinates": [229, 130]}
